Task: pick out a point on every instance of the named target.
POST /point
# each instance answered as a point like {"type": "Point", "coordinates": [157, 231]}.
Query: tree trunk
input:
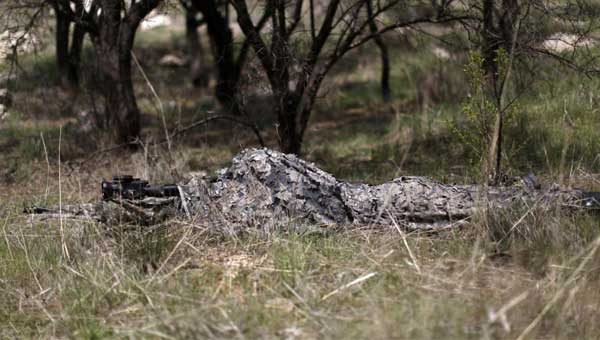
{"type": "Point", "coordinates": [490, 43]}
{"type": "Point", "coordinates": [290, 139]}
{"type": "Point", "coordinates": [120, 104]}
{"type": "Point", "coordinates": [286, 108]}
{"type": "Point", "coordinates": [497, 36]}
{"type": "Point", "coordinates": [62, 45]}
{"type": "Point", "coordinates": [113, 40]}
{"type": "Point", "coordinates": [489, 48]}
{"type": "Point", "coordinates": [386, 92]}
{"type": "Point", "coordinates": [296, 111]}
{"type": "Point", "coordinates": [68, 49]}
{"type": "Point", "coordinates": [76, 48]}
{"type": "Point", "coordinates": [383, 51]}
{"type": "Point", "coordinates": [122, 115]}
{"type": "Point", "coordinates": [222, 40]}
{"type": "Point", "coordinates": [199, 78]}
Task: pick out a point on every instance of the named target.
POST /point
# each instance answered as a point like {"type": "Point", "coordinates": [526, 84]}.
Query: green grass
{"type": "Point", "coordinates": [218, 286]}
{"type": "Point", "coordinates": [179, 281]}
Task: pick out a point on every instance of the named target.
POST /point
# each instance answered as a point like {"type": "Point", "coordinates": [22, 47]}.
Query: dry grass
{"type": "Point", "coordinates": [518, 272]}
{"type": "Point", "coordinates": [494, 278]}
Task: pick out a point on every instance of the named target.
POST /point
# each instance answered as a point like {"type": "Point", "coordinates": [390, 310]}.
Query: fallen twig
{"type": "Point", "coordinates": [413, 259]}
{"type": "Point", "coordinates": [348, 285]}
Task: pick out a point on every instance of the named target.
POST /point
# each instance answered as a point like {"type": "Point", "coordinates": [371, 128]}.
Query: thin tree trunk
{"type": "Point", "coordinates": [194, 46]}
{"type": "Point", "coordinates": [506, 36]}
{"type": "Point", "coordinates": [383, 50]}
{"type": "Point", "coordinates": [489, 48]}
{"type": "Point", "coordinates": [490, 41]}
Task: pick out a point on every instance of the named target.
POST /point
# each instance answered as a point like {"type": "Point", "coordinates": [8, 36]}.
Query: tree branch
{"type": "Point", "coordinates": [139, 10]}
{"type": "Point", "coordinates": [252, 34]}
{"type": "Point", "coordinates": [207, 120]}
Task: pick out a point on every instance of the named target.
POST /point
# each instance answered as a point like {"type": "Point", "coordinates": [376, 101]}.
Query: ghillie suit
{"type": "Point", "coordinates": [266, 189]}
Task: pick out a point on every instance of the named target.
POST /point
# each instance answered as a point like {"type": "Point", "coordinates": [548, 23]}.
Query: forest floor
{"type": "Point", "coordinates": [503, 275]}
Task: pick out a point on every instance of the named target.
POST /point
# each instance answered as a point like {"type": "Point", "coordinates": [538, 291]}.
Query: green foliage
{"type": "Point", "coordinates": [480, 111]}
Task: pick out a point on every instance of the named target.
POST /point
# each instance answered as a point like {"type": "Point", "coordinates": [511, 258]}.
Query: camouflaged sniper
{"type": "Point", "coordinates": [267, 189]}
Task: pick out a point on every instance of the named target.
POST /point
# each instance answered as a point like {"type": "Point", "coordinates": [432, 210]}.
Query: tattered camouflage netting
{"type": "Point", "coordinates": [266, 189]}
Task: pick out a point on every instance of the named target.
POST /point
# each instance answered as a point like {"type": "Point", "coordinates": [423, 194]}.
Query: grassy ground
{"type": "Point", "coordinates": [506, 274]}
